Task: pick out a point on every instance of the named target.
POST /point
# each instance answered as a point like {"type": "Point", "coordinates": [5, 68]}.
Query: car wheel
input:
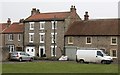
{"type": "Point", "coordinates": [20, 59]}
{"type": "Point", "coordinates": [31, 59]}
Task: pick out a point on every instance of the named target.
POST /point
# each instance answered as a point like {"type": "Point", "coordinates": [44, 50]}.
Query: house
{"type": "Point", "coordinates": [13, 37]}
{"type": "Point", "coordinates": [95, 33]}
{"type": "Point", "coordinates": [44, 32]}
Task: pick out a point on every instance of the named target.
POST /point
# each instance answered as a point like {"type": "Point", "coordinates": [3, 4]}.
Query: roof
{"type": "Point", "coordinates": [2, 26]}
{"type": "Point", "coordinates": [15, 28]}
{"type": "Point", "coordinates": [93, 27]}
{"type": "Point", "coordinates": [48, 16]}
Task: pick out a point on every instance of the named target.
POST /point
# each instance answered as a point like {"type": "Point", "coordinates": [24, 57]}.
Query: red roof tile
{"type": "Point", "coordinates": [94, 27]}
{"type": "Point", "coordinates": [15, 28]}
{"type": "Point", "coordinates": [48, 16]}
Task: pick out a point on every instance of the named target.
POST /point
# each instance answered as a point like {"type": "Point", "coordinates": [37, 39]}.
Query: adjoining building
{"type": "Point", "coordinates": [44, 32]}
{"type": "Point", "coordinates": [95, 33]}
{"type": "Point", "coordinates": [12, 38]}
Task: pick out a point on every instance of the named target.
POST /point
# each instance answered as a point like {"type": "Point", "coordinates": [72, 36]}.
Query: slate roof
{"type": "Point", "coordinates": [94, 27]}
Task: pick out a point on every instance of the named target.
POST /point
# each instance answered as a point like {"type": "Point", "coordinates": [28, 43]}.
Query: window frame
{"type": "Point", "coordinates": [10, 37]}
{"type": "Point", "coordinates": [87, 40]}
{"type": "Point", "coordinates": [112, 41]}
{"type": "Point", "coordinates": [31, 37]}
{"type": "Point", "coordinates": [52, 38]}
{"type": "Point", "coordinates": [70, 38]}
{"type": "Point", "coordinates": [11, 47]}
{"type": "Point", "coordinates": [53, 24]}
{"type": "Point", "coordinates": [31, 25]}
{"type": "Point", "coordinates": [19, 37]}
{"type": "Point", "coordinates": [52, 50]}
{"type": "Point", "coordinates": [111, 53]}
{"type": "Point", "coordinates": [43, 37]}
{"type": "Point", "coordinates": [42, 27]}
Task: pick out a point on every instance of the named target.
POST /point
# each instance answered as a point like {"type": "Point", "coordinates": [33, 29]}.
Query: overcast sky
{"type": "Point", "coordinates": [97, 9]}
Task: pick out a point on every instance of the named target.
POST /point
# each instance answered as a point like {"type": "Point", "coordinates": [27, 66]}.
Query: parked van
{"type": "Point", "coordinates": [96, 56]}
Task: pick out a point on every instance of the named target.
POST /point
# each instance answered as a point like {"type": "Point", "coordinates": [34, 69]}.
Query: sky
{"type": "Point", "coordinates": [21, 9]}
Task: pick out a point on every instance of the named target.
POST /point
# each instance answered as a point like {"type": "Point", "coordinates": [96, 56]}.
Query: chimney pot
{"type": "Point", "coordinates": [9, 21]}
{"type": "Point", "coordinates": [86, 16]}
{"type": "Point", "coordinates": [72, 8]}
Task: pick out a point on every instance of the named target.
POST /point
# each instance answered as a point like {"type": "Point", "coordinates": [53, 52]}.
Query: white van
{"type": "Point", "coordinates": [96, 56]}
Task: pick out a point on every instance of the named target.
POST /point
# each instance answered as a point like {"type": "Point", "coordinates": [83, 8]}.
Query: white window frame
{"type": "Point", "coordinates": [31, 37]}
{"type": "Point", "coordinates": [69, 38]}
{"type": "Point", "coordinates": [19, 37]}
{"type": "Point", "coordinates": [52, 38]}
{"type": "Point", "coordinates": [90, 40]}
{"type": "Point", "coordinates": [42, 27]}
{"type": "Point", "coordinates": [111, 54]}
{"type": "Point", "coordinates": [10, 37]}
{"type": "Point", "coordinates": [31, 25]}
{"type": "Point", "coordinates": [53, 24]}
{"type": "Point", "coordinates": [43, 37]}
{"type": "Point", "coordinates": [112, 41]}
{"type": "Point", "coordinates": [52, 47]}
{"type": "Point", "coordinates": [11, 47]}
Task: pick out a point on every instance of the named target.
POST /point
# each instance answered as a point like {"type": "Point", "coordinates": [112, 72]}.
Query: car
{"type": "Point", "coordinates": [21, 56]}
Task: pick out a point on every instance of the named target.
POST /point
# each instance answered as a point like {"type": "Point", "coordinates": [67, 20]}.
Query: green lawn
{"type": "Point", "coordinates": [58, 67]}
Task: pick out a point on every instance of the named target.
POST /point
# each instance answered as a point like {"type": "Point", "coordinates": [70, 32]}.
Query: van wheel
{"type": "Point", "coordinates": [81, 61]}
{"type": "Point", "coordinates": [20, 59]}
{"type": "Point", "coordinates": [103, 62]}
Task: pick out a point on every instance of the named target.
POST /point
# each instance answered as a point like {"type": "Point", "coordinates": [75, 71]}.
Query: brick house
{"type": "Point", "coordinates": [97, 33]}
{"type": "Point", "coordinates": [39, 31]}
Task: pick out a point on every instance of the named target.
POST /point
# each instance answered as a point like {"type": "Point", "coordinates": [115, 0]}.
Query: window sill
{"type": "Point", "coordinates": [88, 43]}
{"type": "Point", "coordinates": [70, 43]}
{"type": "Point", "coordinates": [113, 44]}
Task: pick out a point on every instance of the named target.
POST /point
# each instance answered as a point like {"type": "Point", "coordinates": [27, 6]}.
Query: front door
{"type": "Point", "coordinates": [30, 51]}
{"type": "Point", "coordinates": [41, 51]}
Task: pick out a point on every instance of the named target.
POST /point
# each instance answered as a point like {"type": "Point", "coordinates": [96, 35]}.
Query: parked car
{"type": "Point", "coordinates": [21, 56]}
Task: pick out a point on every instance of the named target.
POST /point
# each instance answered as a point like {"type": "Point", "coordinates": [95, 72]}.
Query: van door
{"type": "Point", "coordinates": [99, 56]}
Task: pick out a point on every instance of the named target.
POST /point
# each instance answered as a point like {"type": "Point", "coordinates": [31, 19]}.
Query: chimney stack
{"type": "Point", "coordinates": [21, 20]}
{"type": "Point", "coordinates": [35, 11]}
{"type": "Point", "coordinates": [86, 16]}
{"type": "Point", "coordinates": [72, 9]}
{"type": "Point", "coordinates": [38, 12]}
{"type": "Point", "coordinates": [8, 22]}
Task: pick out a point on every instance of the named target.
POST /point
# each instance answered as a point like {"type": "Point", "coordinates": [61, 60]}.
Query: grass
{"type": "Point", "coordinates": [58, 67]}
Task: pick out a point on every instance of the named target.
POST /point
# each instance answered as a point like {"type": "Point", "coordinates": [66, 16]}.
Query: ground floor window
{"type": "Point", "coordinates": [11, 48]}
{"type": "Point", "coordinates": [30, 51]}
{"type": "Point", "coordinates": [113, 53]}
{"type": "Point", "coordinates": [53, 51]}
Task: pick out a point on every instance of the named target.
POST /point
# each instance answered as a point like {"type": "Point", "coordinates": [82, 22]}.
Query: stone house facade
{"type": "Point", "coordinates": [13, 37]}
{"type": "Point", "coordinates": [39, 31]}
{"type": "Point", "coordinates": [97, 33]}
